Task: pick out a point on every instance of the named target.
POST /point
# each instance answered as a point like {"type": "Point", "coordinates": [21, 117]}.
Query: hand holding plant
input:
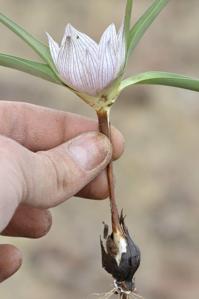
{"type": "Point", "coordinates": [44, 143]}
{"type": "Point", "coordinates": [94, 72]}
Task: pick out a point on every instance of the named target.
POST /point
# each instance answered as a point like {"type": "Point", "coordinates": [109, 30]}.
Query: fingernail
{"type": "Point", "coordinates": [89, 150]}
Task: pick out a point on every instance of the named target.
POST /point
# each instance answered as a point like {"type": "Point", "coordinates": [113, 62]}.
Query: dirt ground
{"type": "Point", "coordinates": [157, 177]}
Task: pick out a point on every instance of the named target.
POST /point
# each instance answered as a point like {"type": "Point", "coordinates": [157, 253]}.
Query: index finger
{"type": "Point", "coordinates": [39, 128]}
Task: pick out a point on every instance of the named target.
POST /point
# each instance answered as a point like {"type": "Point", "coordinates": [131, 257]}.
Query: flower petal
{"type": "Point", "coordinates": [88, 42]}
{"type": "Point", "coordinates": [109, 35]}
{"type": "Point", "coordinates": [67, 33]}
{"type": "Point", "coordinates": [54, 48]}
{"type": "Point", "coordinates": [113, 37]}
{"type": "Point", "coordinates": [76, 63]}
{"type": "Point", "coordinates": [83, 64]}
{"type": "Point", "coordinates": [121, 54]}
{"type": "Point", "coordinates": [107, 57]}
{"type": "Point", "coordinates": [90, 73]}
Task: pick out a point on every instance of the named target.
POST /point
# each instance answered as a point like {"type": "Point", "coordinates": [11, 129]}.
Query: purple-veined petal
{"type": "Point", "coordinates": [106, 66]}
{"type": "Point", "coordinates": [121, 54]}
{"type": "Point", "coordinates": [84, 69]}
{"type": "Point", "coordinates": [107, 57]}
{"type": "Point", "coordinates": [88, 42]}
{"type": "Point", "coordinates": [85, 65]}
{"type": "Point", "coordinates": [68, 32]}
{"type": "Point", "coordinates": [54, 48]}
{"type": "Point", "coordinates": [111, 34]}
{"type": "Point", "coordinates": [63, 58]}
{"type": "Point", "coordinates": [77, 64]}
{"type": "Point", "coordinates": [67, 63]}
{"type": "Point", "coordinates": [90, 73]}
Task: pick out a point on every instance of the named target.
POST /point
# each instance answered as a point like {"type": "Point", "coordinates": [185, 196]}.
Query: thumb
{"type": "Point", "coordinates": [61, 172]}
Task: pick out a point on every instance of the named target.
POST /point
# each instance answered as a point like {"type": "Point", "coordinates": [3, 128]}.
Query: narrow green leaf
{"type": "Point", "coordinates": [35, 44]}
{"type": "Point", "coordinates": [162, 78]}
{"type": "Point", "coordinates": [31, 67]}
{"type": "Point", "coordinates": [127, 20]}
{"type": "Point", "coordinates": [144, 22]}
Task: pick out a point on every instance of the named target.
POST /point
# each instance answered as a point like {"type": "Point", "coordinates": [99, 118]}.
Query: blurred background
{"type": "Point", "coordinates": [157, 177]}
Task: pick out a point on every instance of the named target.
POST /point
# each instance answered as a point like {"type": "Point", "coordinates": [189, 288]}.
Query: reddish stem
{"type": "Point", "coordinates": [105, 128]}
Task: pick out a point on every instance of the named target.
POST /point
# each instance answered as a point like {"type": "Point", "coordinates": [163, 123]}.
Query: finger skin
{"type": "Point", "coordinates": [39, 128]}
{"type": "Point", "coordinates": [46, 179]}
{"type": "Point", "coordinates": [97, 189]}
{"type": "Point", "coordinates": [10, 261]}
{"type": "Point", "coordinates": [29, 222]}
{"type": "Point", "coordinates": [62, 175]}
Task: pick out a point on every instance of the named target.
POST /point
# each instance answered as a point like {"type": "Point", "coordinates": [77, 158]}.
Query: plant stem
{"type": "Point", "coordinates": [105, 128]}
{"type": "Point", "coordinates": [124, 296]}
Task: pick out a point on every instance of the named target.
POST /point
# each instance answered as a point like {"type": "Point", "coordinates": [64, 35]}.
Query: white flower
{"type": "Point", "coordinates": [86, 66]}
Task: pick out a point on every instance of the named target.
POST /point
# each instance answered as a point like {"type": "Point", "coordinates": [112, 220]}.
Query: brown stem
{"type": "Point", "coordinates": [105, 128]}
{"type": "Point", "coordinates": [124, 296]}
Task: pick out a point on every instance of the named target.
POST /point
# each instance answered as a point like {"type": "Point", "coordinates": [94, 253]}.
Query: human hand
{"type": "Point", "coordinates": [46, 156]}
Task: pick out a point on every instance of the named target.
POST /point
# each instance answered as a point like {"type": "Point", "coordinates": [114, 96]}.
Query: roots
{"type": "Point", "coordinates": [120, 295]}
{"type": "Point", "coordinates": [105, 295]}
{"type": "Point", "coordinates": [135, 296]}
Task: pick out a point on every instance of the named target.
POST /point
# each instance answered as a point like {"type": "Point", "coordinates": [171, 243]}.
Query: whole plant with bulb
{"type": "Point", "coordinates": [95, 71]}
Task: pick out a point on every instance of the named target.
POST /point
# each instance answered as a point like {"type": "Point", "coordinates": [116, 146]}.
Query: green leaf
{"type": "Point", "coordinates": [144, 22]}
{"type": "Point", "coordinates": [35, 44]}
{"type": "Point", "coordinates": [162, 78]}
{"type": "Point", "coordinates": [31, 67]}
{"type": "Point", "coordinates": [127, 20]}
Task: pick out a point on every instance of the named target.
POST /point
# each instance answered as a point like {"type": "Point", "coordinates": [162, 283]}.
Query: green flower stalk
{"type": "Point", "coordinates": [94, 71]}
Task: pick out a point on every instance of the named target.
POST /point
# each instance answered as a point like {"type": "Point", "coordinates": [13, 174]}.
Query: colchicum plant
{"type": "Point", "coordinates": [95, 72]}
